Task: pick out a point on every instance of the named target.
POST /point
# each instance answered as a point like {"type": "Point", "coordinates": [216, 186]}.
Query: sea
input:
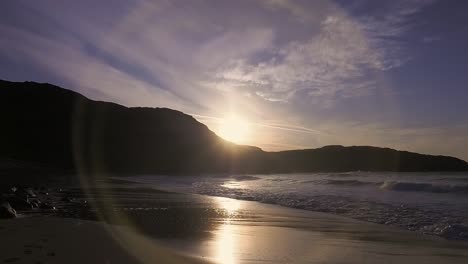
{"type": "Point", "coordinates": [428, 203]}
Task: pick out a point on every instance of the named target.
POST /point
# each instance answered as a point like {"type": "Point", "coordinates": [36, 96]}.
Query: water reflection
{"type": "Point", "coordinates": [225, 239]}
{"type": "Point", "coordinates": [233, 185]}
{"type": "Point", "coordinates": [226, 245]}
{"type": "Point", "coordinates": [230, 206]}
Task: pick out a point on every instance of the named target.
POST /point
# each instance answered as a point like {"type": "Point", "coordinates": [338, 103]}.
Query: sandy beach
{"type": "Point", "coordinates": [65, 240]}
{"type": "Point", "coordinates": [143, 225]}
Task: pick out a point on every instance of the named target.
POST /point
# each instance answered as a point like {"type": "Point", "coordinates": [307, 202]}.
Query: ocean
{"type": "Point", "coordinates": [428, 203]}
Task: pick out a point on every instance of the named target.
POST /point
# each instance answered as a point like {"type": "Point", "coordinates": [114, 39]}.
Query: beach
{"type": "Point", "coordinates": [143, 225]}
{"type": "Point", "coordinates": [64, 240]}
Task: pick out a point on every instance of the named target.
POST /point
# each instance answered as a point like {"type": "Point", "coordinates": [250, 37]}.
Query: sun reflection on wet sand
{"type": "Point", "coordinates": [231, 206]}
{"type": "Point", "coordinates": [225, 238]}
{"type": "Point", "coordinates": [226, 245]}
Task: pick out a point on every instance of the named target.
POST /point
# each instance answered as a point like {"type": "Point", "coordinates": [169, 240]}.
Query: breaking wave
{"type": "Point", "coordinates": [244, 178]}
{"type": "Point", "coordinates": [350, 182]}
{"type": "Point", "coordinates": [423, 187]}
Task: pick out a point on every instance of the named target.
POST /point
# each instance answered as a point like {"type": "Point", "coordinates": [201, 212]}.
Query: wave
{"type": "Point", "coordinates": [244, 178]}
{"type": "Point", "coordinates": [350, 182]}
{"type": "Point", "coordinates": [432, 222]}
{"type": "Point", "coordinates": [453, 179]}
{"type": "Point", "coordinates": [342, 182]}
{"type": "Point", "coordinates": [423, 187]}
{"type": "Point", "coordinates": [441, 220]}
{"type": "Point", "coordinates": [345, 174]}
{"type": "Point", "coordinates": [288, 180]}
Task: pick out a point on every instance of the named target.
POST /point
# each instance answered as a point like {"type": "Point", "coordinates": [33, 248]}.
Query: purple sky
{"type": "Point", "coordinates": [301, 73]}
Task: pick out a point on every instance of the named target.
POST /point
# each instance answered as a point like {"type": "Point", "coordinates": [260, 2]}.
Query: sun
{"type": "Point", "coordinates": [234, 128]}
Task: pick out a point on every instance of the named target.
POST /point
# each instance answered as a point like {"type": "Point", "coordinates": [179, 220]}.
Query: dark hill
{"type": "Point", "coordinates": [364, 158]}
{"type": "Point", "coordinates": [47, 124]}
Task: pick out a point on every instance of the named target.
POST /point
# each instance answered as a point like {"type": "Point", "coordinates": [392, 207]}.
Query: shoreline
{"type": "Point", "coordinates": [225, 230]}
{"type": "Point", "coordinates": [454, 229]}
{"type": "Point", "coordinates": [72, 201]}
{"type": "Point", "coordinates": [405, 215]}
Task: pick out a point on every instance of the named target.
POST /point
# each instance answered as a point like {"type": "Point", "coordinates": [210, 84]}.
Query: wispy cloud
{"type": "Point", "coordinates": [195, 53]}
{"type": "Point", "coordinates": [322, 65]}
{"type": "Point", "coordinates": [87, 74]}
{"type": "Point", "coordinates": [340, 58]}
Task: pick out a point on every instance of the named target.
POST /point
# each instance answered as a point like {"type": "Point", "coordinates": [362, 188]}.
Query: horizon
{"type": "Point", "coordinates": [279, 75]}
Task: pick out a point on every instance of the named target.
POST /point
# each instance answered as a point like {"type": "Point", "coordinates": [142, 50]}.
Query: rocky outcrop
{"type": "Point", "coordinates": [6, 211]}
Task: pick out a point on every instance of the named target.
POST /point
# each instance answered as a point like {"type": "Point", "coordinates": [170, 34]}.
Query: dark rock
{"type": "Point", "coordinates": [35, 204]}
{"type": "Point", "coordinates": [19, 203]}
{"type": "Point", "coordinates": [47, 206]}
{"type": "Point", "coordinates": [28, 192]}
{"type": "Point", "coordinates": [67, 199]}
{"type": "Point", "coordinates": [6, 211]}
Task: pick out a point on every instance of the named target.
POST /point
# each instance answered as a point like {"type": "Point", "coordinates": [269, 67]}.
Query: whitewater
{"type": "Point", "coordinates": [429, 203]}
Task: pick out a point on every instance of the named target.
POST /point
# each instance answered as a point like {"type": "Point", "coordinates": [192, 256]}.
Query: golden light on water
{"type": "Point", "coordinates": [230, 205]}
{"type": "Point", "coordinates": [232, 185]}
{"type": "Point", "coordinates": [234, 128]}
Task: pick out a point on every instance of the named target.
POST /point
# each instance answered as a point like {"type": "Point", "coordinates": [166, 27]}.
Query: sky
{"type": "Point", "coordinates": [292, 74]}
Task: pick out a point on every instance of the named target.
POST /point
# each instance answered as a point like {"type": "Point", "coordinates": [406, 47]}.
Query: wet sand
{"type": "Point", "coordinates": [283, 235]}
{"type": "Point", "coordinates": [148, 226]}
{"type": "Point", "coordinates": [64, 240]}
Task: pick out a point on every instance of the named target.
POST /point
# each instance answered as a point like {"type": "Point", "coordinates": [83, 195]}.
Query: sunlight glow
{"type": "Point", "coordinates": [230, 205]}
{"type": "Point", "coordinates": [226, 244]}
{"type": "Point", "coordinates": [235, 129]}
{"type": "Point", "coordinates": [232, 185]}
{"type": "Point", "coordinates": [225, 237]}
